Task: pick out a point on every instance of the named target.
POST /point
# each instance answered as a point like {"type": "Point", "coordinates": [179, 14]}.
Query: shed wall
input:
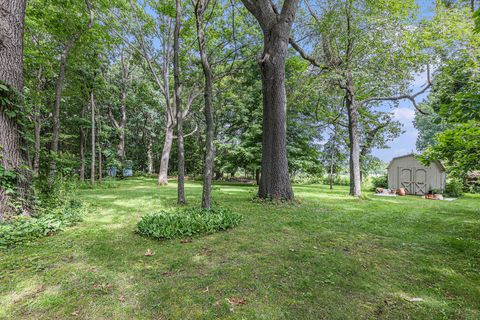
{"type": "Point", "coordinates": [435, 175]}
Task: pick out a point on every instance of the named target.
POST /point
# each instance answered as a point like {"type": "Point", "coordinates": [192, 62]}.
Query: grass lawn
{"type": "Point", "coordinates": [330, 256]}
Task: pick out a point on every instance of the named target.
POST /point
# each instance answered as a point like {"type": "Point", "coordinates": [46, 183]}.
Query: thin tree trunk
{"type": "Point", "coordinates": [92, 166]}
{"type": "Point", "coordinates": [167, 147]}
{"type": "Point", "coordinates": [82, 147]}
{"type": "Point", "coordinates": [332, 156]}
{"type": "Point", "coordinates": [200, 8]}
{"type": "Point", "coordinates": [38, 131]}
{"type": "Point", "coordinates": [178, 104]}
{"type": "Point", "coordinates": [100, 169]}
{"type": "Point", "coordinates": [150, 156]}
{"type": "Point", "coordinates": [56, 112]}
{"type": "Point", "coordinates": [12, 14]}
{"type": "Point", "coordinates": [355, 180]}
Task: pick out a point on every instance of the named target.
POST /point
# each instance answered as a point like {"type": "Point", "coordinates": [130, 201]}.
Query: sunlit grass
{"type": "Point", "coordinates": [328, 256]}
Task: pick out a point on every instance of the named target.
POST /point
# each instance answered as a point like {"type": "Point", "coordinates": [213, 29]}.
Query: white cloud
{"type": "Point", "coordinates": [403, 114]}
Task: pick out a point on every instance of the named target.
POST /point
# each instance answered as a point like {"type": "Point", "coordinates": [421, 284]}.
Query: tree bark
{"type": "Point", "coordinates": [209, 111]}
{"type": "Point", "coordinates": [274, 181]}
{"type": "Point", "coordinates": [92, 166]}
{"type": "Point", "coordinates": [38, 131]}
{"type": "Point", "coordinates": [352, 110]}
{"type": "Point", "coordinates": [82, 147]}
{"type": "Point", "coordinates": [12, 14]}
{"type": "Point", "coordinates": [178, 104]}
{"type": "Point", "coordinates": [150, 156]}
{"type": "Point", "coordinates": [100, 169]}
{"type": "Point", "coordinates": [167, 147]}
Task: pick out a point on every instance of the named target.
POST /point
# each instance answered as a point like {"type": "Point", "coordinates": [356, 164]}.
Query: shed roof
{"type": "Point", "coordinates": [438, 163]}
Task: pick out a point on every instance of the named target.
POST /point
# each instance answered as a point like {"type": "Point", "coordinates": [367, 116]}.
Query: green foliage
{"type": "Point", "coordinates": [50, 221]}
{"type": "Point", "coordinates": [337, 180]}
{"type": "Point", "coordinates": [187, 222]}
{"type": "Point", "coordinates": [379, 181]}
{"type": "Point", "coordinates": [8, 180]}
{"type": "Point", "coordinates": [453, 188]}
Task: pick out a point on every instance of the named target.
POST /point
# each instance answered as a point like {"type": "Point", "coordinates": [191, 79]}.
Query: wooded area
{"type": "Point", "coordinates": [264, 95]}
{"type": "Point", "coordinates": [344, 65]}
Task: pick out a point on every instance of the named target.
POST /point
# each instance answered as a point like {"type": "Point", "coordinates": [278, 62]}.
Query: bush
{"type": "Point", "coordinates": [23, 228]}
{"type": "Point", "coordinates": [453, 188]}
{"type": "Point", "coordinates": [380, 182]}
{"type": "Point", "coordinates": [337, 180]}
{"type": "Point", "coordinates": [307, 179]}
{"type": "Point", "coordinates": [187, 222]}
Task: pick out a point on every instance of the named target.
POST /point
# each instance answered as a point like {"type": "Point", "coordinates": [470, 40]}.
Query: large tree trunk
{"type": "Point", "coordinates": [12, 14]}
{"type": "Point", "coordinates": [276, 26]}
{"type": "Point", "coordinates": [82, 147]}
{"type": "Point", "coordinates": [92, 166]}
{"type": "Point", "coordinates": [167, 147]}
{"type": "Point", "coordinates": [275, 181]}
{"type": "Point", "coordinates": [178, 104]}
{"type": "Point", "coordinates": [352, 109]}
{"type": "Point", "coordinates": [200, 8]}
{"type": "Point", "coordinates": [56, 112]}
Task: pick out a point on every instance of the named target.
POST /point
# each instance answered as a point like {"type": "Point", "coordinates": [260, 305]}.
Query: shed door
{"type": "Point", "coordinates": [406, 179]}
{"type": "Point", "coordinates": [420, 181]}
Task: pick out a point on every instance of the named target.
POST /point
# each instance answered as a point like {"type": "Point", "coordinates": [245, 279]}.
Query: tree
{"type": "Point", "coordinates": [354, 45]}
{"type": "Point", "coordinates": [178, 103]}
{"type": "Point", "coordinates": [276, 26]}
{"type": "Point", "coordinates": [15, 185]}
{"type": "Point", "coordinates": [200, 8]}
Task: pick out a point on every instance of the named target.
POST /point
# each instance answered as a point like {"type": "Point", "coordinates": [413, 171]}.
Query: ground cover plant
{"type": "Point", "coordinates": [329, 256]}
{"type": "Point", "coordinates": [187, 222]}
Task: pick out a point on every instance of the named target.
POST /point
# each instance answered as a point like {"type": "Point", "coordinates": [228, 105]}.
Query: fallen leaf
{"type": "Point", "coordinates": [205, 291]}
{"type": "Point", "coordinates": [121, 298]}
{"type": "Point", "coordinates": [185, 240]}
{"type": "Point", "coordinates": [235, 301]}
{"type": "Point", "coordinates": [149, 253]}
{"type": "Point", "coordinates": [74, 313]}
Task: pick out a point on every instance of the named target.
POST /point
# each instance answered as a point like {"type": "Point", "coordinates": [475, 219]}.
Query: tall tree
{"type": "Point", "coordinates": [178, 103]}
{"type": "Point", "coordinates": [276, 26]}
{"type": "Point", "coordinates": [200, 8]}
{"type": "Point", "coordinates": [66, 47]}
{"type": "Point", "coordinates": [12, 15]}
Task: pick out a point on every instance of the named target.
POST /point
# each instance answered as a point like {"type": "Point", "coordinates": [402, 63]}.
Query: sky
{"type": "Point", "coordinates": [405, 113]}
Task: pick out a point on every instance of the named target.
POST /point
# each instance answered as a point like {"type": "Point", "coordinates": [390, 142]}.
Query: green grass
{"type": "Point", "coordinates": [330, 256]}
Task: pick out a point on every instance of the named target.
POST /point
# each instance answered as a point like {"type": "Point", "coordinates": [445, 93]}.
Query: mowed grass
{"type": "Point", "coordinates": [330, 256]}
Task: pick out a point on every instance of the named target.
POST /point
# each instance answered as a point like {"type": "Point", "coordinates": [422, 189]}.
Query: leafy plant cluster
{"type": "Point", "coordinates": [24, 228]}
{"type": "Point", "coordinates": [379, 181]}
{"type": "Point", "coordinates": [8, 180]}
{"type": "Point", "coordinates": [187, 222]}
{"type": "Point", "coordinates": [337, 180]}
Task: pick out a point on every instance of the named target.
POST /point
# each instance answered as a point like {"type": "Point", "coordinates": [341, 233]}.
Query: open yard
{"type": "Point", "coordinates": [330, 256]}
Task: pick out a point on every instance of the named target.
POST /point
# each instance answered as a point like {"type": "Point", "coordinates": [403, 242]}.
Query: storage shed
{"type": "Point", "coordinates": [407, 172]}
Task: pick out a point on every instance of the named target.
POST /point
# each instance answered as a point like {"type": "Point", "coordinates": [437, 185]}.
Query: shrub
{"type": "Point", "coordinates": [380, 182]}
{"type": "Point", "coordinates": [23, 228]}
{"type": "Point", "coordinates": [453, 188]}
{"type": "Point", "coordinates": [337, 180]}
{"type": "Point", "coordinates": [187, 222]}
